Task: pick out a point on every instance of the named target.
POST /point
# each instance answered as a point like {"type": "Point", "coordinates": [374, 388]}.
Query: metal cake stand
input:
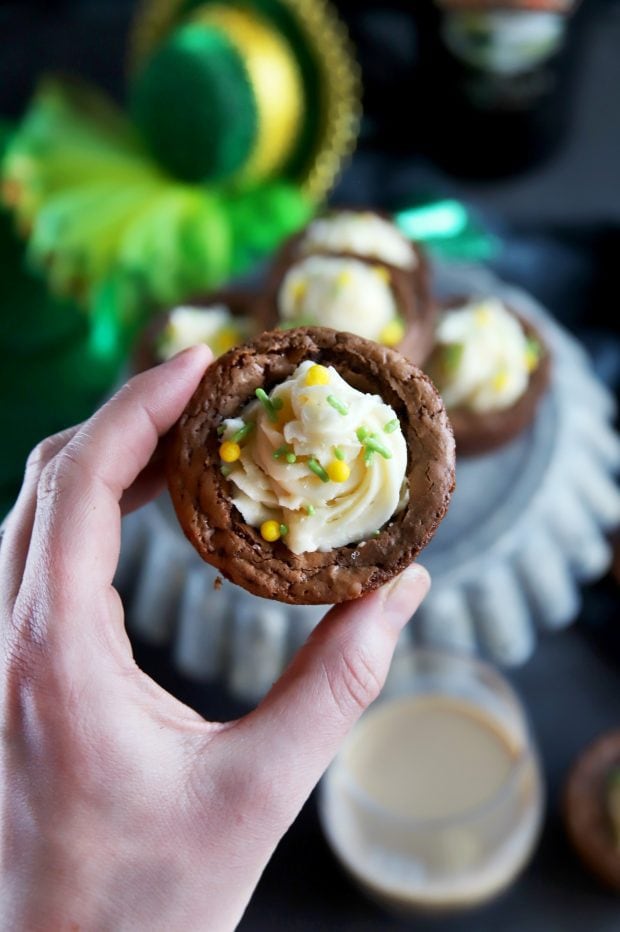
{"type": "Point", "coordinates": [526, 527]}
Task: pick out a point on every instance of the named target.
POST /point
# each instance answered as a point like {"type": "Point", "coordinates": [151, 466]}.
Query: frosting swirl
{"type": "Point", "coordinates": [483, 358]}
{"type": "Point", "coordinates": [345, 294]}
{"type": "Point", "coordinates": [318, 459]}
{"type": "Point", "coordinates": [214, 325]}
{"type": "Point", "coordinates": [363, 233]}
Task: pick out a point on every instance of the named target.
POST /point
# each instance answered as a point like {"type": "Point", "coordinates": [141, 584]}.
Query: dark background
{"type": "Point", "coordinates": [560, 225]}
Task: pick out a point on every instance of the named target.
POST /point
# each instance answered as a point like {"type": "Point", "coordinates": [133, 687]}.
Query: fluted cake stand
{"type": "Point", "coordinates": [526, 527]}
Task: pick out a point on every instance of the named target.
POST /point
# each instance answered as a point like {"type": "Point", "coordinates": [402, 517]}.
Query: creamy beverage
{"type": "Point", "coordinates": [435, 800]}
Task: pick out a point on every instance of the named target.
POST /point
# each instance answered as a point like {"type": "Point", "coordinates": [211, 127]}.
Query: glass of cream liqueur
{"type": "Point", "coordinates": [435, 801]}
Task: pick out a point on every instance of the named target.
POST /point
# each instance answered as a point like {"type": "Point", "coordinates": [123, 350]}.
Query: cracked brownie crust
{"type": "Point", "coordinates": [202, 496]}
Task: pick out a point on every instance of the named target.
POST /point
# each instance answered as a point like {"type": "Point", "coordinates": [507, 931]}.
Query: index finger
{"type": "Point", "coordinates": [75, 541]}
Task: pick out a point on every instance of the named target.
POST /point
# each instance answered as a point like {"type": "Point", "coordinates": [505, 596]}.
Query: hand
{"type": "Point", "coordinates": [123, 808]}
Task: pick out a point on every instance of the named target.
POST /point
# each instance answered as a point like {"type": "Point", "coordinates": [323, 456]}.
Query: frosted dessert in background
{"type": "Point", "coordinates": [491, 369]}
{"type": "Point", "coordinates": [353, 270]}
{"type": "Point", "coordinates": [222, 320]}
{"type": "Point", "coordinates": [342, 293]}
{"type": "Point", "coordinates": [213, 325]}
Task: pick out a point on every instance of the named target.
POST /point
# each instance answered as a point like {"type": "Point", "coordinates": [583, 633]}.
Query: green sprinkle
{"type": "Point", "coordinates": [221, 430]}
{"type": "Point", "coordinates": [338, 453]}
{"type": "Point", "coordinates": [271, 407]}
{"type": "Point", "coordinates": [451, 356]}
{"type": "Point", "coordinates": [367, 457]}
{"type": "Point", "coordinates": [372, 444]}
{"type": "Point", "coordinates": [290, 458]}
{"type": "Point", "coordinates": [243, 432]}
{"type": "Point", "coordinates": [534, 348]}
{"type": "Point", "coordinates": [361, 433]}
{"type": "Point", "coordinates": [281, 451]}
{"type": "Point", "coordinates": [376, 533]}
{"type": "Point", "coordinates": [391, 426]}
{"type": "Point", "coordinates": [226, 469]}
{"type": "Point", "coordinates": [310, 509]}
{"type": "Point", "coordinates": [283, 530]}
{"type": "Point", "coordinates": [318, 470]}
{"type": "Point", "coordinates": [337, 405]}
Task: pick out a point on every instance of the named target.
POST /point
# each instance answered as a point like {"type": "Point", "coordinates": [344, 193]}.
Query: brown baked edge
{"type": "Point", "coordinates": [201, 496]}
{"type": "Point", "coordinates": [584, 815]}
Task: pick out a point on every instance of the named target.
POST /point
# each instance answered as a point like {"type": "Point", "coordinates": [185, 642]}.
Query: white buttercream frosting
{"type": "Point", "coordinates": [319, 515]}
{"type": "Point", "coordinates": [361, 232]}
{"type": "Point", "coordinates": [485, 357]}
{"type": "Point", "coordinates": [214, 325]}
{"type": "Point", "coordinates": [346, 294]}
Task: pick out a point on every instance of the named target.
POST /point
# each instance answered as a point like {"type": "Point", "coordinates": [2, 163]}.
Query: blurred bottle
{"type": "Point", "coordinates": [498, 80]}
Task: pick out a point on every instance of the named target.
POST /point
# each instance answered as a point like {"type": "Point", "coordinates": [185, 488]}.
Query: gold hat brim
{"type": "Point", "coordinates": [339, 94]}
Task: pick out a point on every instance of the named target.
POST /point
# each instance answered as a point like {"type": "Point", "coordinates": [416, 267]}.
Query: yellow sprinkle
{"type": "Point", "coordinates": [225, 339]}
{"type": "Point", "coordinates": [500, 380]}
{"type": "Point", "coordinates": [270, 531]}
{"type": "Point", "coordinates": [344, 278]}
{"type": "Point", "coordinates": [392, 333]}
{"type": "Point", "coordinates": [482, 316]}
{"type": "Point", "coordinates": [382, 273]}
{"type": "Point", "coordinates": [317, 375]}
{"type": "Point", "coordinates": [285, 413]}
{"type": "Point", "coordinates": [230, 451]}
{"type": "Point", "coordinates": [338, 471]}
{"type": "Point", "coordinates": [299, 290]}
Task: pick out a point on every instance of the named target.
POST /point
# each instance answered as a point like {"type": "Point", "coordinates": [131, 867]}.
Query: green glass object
{"type": "Point", "coordinates": [448, 230]}
{"type": "Point", "coordinates": [195, 106]}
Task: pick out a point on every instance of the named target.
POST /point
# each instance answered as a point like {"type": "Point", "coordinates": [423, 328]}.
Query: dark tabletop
{"type": "Point", "coordinates": [560, 223]}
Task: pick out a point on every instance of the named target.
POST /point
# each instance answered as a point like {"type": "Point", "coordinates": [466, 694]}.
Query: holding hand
{"type": "Point", "coordinates": [123, 808]}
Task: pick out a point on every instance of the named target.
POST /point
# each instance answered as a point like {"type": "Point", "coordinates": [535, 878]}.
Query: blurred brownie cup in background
{"type": "Point", "coordinates": [353, 270]}
{"type": "Point", "coordinates": [491, 367]}
{"type": "Point", "coordinates": [222, 320]}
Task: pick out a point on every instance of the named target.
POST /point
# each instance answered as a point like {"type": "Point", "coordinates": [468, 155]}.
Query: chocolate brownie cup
{"type": "Point", "coordinates": [354, 270]}
{"type": "Point", "coordinates": [222, 319]}
{"type": "Point", "coordinates": [311, 466]}
{"type": "Point", "coordinates": [491, 368]}
{"type": "Point", "coordinates": [592, 808]}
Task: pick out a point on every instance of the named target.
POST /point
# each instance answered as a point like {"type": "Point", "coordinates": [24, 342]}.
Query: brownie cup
{"type": "Point", "coordinates": [592, 808]}
{"type": "Point", "coordinates": [480, 431]}
{"type": "Point", "coordinates": [403, 271]}
{"type": "Point", "coordinates": [203, 495]}
{"type": "Point", "coordinates": [244, 315]}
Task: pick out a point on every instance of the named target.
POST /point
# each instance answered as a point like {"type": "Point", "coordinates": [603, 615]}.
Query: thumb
{"type": "Point", "coordinates": [341, 669]}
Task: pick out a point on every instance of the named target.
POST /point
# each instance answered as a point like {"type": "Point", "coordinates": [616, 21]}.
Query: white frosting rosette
{"type": "Point", "coordinates": [342, 293]}
{"type": "Point", "coordinates": [317, 458]}
{"type": "Point", "coordinates": [485, 357]}
{"type": "Point", "coordinates": [363, 233]}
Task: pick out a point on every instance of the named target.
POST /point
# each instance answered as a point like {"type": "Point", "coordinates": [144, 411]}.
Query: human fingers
{"type": "Point", "coordinates": [17, 526]}
{"type": "Point", "coordinates": [76, 532]}
{"type": "Point", "coordinates": [295, 732]}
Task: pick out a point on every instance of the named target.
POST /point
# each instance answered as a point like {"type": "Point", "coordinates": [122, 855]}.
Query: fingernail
{"type": "Point", "coordinates": [405, 593]}
{"type": "Point", "coordinates": [189, 350]}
